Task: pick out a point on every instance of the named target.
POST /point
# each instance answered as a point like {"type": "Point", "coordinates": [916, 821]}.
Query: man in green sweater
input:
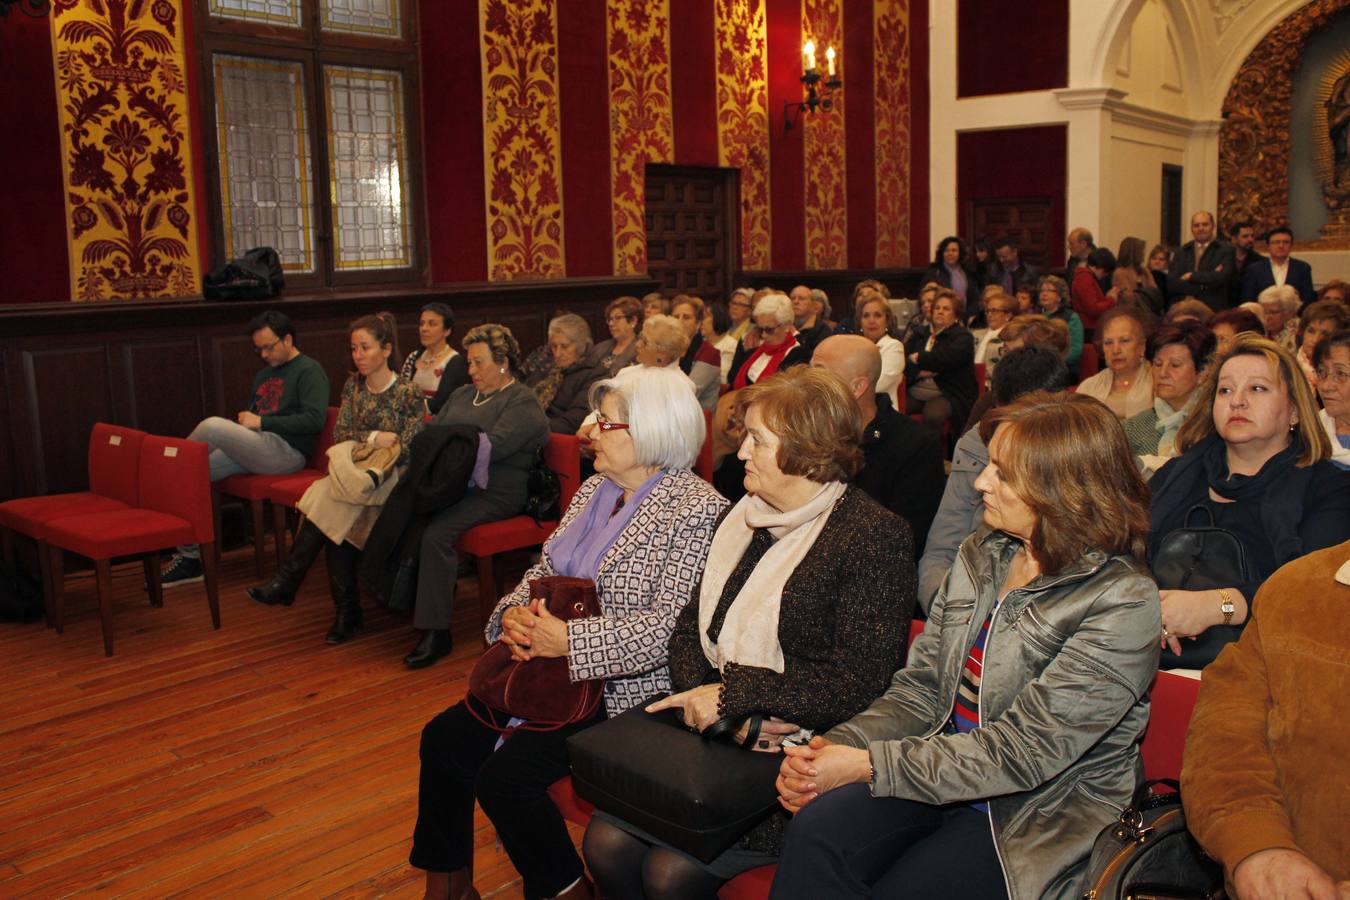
{"type": "Point", "coordinates": [277, 432]}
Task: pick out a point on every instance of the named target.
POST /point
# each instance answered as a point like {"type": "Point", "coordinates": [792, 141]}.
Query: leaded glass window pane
{"type": "Point", "coordinates": [265, 164]}
{"type": "Point", "coordinates": [274, 12]}
{"type": "Point", "coordinates": [379, 17]}
{"type": "Point", "coordinates": [368, 168]}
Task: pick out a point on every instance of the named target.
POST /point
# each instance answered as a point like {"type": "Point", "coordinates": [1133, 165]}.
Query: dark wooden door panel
{"type": "Point", "coordinates": [174, 367]}
{"type": "Point", "coordinates": [68, 391]}
{"type": "Point", "coordinates": [1026, 222]}
{"type": "Point", "coordinates": [691, 229]}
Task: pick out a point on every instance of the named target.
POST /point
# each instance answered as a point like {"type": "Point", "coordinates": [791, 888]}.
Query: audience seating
{"type": "Point", "coordinates": [173, 507]}
{"type": "Point", "coordinates": [981, 376]}
{"type": "Point", "coordinates": [703, 466]}
{"type": "Point", "coordinates": [255, 489]}
{"type": "Point", "coordinates": [114, 460]}
{"type": "Point", "coordinates": [1089, 363]}
{"type": "Point", "coordinates": [563, 456]}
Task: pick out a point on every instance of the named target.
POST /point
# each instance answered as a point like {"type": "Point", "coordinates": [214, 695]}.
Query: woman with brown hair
{"type": "Point", "coordinates": [941, 373]}
{"type": "Point", "coordinates": [1134, 279]}
{"type": "Point", "coordinates": [801, 615]}
{"type": "Point", "coordinates": [1319, 321]}
{"type": "Point", "coordinates": [1011, 737]}
{"type": "Point", "coordinates": [1254, 455]}
{"type": "Point", "coordinates": [623, 316]}
{"type": "Point", "coordinates": [1179, 355]}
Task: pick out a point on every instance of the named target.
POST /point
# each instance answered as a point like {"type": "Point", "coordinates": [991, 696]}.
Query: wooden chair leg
{"type": "Point", "coordinates": [152, 580]}
{"type": "Point", "coordinates": [45, 572]}
{"type": "Point", "coordinates": [259, 536]}
{"type": "Point", "coordinates": [487, 591]}
{"type": "Point", "coordinates": [7, 542]}
{"type": "Point", "coordinates": [212, 582]}
{"type": "Point", "coordinates": [56, 566]}
{"type": "Point", "coordinates": [215, 523]}
{"type": "Point", "coordinates": [279, 531]}
{"type": "Point", "coordinates": [103, 574]}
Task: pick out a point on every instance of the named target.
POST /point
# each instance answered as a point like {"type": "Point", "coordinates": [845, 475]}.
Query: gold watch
{"type": "Point", "coordinates": [1226, 606]}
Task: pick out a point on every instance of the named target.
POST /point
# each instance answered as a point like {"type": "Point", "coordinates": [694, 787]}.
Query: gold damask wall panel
{"type": "Point", "coordinates": [127, 160]}
{"type": "Point", "coordinates": [826, 146]}
{"type": "Point", "coordinates": [743, 118]}
{"type": "Point", "coordinates": [521, 139]}
{"type": "Point", "coordinates": [642, 125]}
{"type": "Point", "coordinates": [1254, 138]}
{"type": "Point", "coordinates": [893, 134]}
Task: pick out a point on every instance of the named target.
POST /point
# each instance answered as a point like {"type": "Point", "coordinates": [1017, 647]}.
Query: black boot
{"type": "Point", "coordinates": [280, 591]}
{"type": "Point", "coordinates": [434, 644]}
{"type": "Point", "coordinates": [342, 560]}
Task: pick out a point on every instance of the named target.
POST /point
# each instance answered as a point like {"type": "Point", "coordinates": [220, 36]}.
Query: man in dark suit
{"type": "Point", "coordinates": [1280, 268]}
{"type": "Point", "coordinates": [1010, 271]}
{"type": "Point", "coordinates": [903, 469]}
{"type": "Point", "coordinates": [1243, 237]}
{"type": "Point", "coordinates": [1203, 268]}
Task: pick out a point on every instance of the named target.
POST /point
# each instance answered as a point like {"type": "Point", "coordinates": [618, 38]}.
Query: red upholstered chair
{"type": "Point", "coordinates": [173, 507]}
{"type": "Point", "coordinates": [1170, 717]}
{"type": "Point", "coordinates": [1089, 363]}
{"type": "Point", "coordinates": [563, 456]}
{"type": "Point", "coordinates": [114, 461]}
{"type": "Point", "coordinates": [981, 377]}
{"type": "Point", "coordinates": [703, 466]}
{"type": "Point", "coordinates": [255, 489]}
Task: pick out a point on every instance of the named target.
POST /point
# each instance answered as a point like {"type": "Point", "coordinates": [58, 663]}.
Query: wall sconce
{"type": "Point", "coordinates": [819, 86]}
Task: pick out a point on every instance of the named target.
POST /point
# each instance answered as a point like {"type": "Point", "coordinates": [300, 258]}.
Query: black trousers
{"type": "Point", "coordinates": [848, 843]}
{"type": "Point", "coordinates": [511, 784]}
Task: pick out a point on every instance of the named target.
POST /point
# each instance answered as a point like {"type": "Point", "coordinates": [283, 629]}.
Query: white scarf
{"type": "Point", "coordinates": [749, 634]}
{"type": "Point", "coordinates": [1339, 453]}
{"type": "Point", "coordinates": [1169, 423]}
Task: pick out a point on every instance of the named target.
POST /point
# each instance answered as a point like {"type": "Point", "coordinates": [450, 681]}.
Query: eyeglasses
{"type": "Point", "coordinates": [767, 329]}
{"type": "Point", "coordinates": [1335, 376]}
{"type": "Point", "coordinates": [740, 304]}
{"type": "Point", "coordinates": [612, 319]}
{"type": "Point", "coordinates": [266, 348]}
{"type": "Point", "coordinates": [606, 425]}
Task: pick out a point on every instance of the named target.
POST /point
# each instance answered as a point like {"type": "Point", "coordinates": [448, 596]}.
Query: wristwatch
{"type": "Point", "coordinates": [1226, 606]}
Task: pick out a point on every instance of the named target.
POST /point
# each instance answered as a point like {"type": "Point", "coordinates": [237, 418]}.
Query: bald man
{"type": "Point", "coordinates": [904, 471]}
{"type": "Point", "coordinates": [1204, 267]}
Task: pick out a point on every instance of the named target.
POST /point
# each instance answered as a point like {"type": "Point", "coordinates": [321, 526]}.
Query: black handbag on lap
{"type": "Point", "coordinates": [696, 794]}
{"type": "Point", "coordinates": [1149, 853]}
{"type": "Point", "coordinates": [1200, 558]}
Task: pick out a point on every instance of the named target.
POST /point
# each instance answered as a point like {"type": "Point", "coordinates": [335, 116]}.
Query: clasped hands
{"type": "Point", "coordinates": [817, 768]}
{"type": "Point", "coordinates": [698, 710]}
{"type": "Point", "coordinates": [532, 632]}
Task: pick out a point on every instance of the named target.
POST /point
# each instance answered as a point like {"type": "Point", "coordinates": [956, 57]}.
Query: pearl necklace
{"type": "Point", "coordinates": [479, 398]}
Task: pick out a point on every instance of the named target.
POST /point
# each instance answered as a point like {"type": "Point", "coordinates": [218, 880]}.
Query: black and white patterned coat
{"type": "Point", "coordinates": [644, 580]}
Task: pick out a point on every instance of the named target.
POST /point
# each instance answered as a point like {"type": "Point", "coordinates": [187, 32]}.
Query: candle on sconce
{"type": "Point", "coordinates": [829, 59]}
{"type": "Point", "coordinates": [809, 52]}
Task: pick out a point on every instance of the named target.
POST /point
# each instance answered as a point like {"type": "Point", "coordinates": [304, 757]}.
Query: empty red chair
{"type": "Point", "coordinates": [255, 488]}
{"type": "Point", "coordinates": [114, 461]}
{"type": "Point", "coordinates": [563, 456]}
{"type": "Point", "coordinates": [173, 508]}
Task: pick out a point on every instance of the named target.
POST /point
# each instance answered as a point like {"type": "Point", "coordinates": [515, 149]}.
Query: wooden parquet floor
{"type": "Point", "coordinates": [254, 761]}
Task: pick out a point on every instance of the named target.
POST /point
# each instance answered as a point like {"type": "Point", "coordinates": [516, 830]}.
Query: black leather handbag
{"type": "Point", "coordinates": [545, 492]}
{"type": "Point", "coordinates": [1149, 853]}
{"type": "Point", "coordinates": [694, 792]}
{"type": "Point", "coordinates": [1200, 558]}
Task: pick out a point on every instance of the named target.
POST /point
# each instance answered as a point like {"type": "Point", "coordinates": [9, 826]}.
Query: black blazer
{"type": "Point", "coordinates": [1261, 276]}
{"type": "Point", "coordinates": [1211, 277]}
{"type": "Point", "coordinates": [974, 306]}
{"type": "Point", "coordinates": [953, 360]}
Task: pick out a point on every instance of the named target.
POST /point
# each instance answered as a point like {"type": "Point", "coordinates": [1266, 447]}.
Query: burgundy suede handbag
{"type": "Point", "coordinates": [539, 691]}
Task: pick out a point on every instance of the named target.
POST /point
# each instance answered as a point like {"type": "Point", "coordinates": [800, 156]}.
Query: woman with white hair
{"type": "Point", "coordinates": [640, 528]}
{"type": "Point", "coordinates": [1279, 312]}
{"type": "Point", "coordinates": [562, 388]}
{"type": "Point", "coordinates": [769, 346]}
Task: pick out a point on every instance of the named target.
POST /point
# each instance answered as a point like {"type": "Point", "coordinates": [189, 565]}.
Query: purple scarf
{"type": "Point", "coordinates": [577, 551]}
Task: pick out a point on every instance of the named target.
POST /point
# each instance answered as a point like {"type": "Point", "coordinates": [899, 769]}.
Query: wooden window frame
{"type": "Point", "coordinates": [313, 49]}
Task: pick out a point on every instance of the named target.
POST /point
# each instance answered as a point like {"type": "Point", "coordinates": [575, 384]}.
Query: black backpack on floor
{"type": "Point", "coordinates": [256, 275]}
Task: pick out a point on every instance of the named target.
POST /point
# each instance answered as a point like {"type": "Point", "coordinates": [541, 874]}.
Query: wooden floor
{"type": "Point", "coordinates": [254, 761]}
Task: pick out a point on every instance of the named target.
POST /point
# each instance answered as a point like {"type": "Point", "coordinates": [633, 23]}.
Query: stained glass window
{"type": "Point", "coordinates": [379, 17]}
{"type": "Point", "coordinates": [275, 12]}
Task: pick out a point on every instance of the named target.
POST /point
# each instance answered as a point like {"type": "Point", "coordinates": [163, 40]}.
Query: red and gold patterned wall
{"type": "Point", "coordinates": [539, 118]}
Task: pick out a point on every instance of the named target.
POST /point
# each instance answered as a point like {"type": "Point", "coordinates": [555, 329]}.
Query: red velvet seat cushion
{"type": "Point", "coordinates": [752, 884]}
{"type": "Point", "coordinates": [257, 487]}
{"type": "Point", "coordinates": [508, 534]}
{"type": "Point", "coordinates": [30, 515]}
{"type": "Point", "coordinates": [1169, 719]}
{"type": "Point", "coordinates": [289, 490]}
{"type": "Point", "coordinates": [121, 532]}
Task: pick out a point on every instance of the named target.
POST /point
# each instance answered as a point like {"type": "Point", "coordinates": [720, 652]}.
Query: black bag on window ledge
{"type": "Point", "coordinates": [1201, 558]}
{"type": "Point", "coordinates": [256, 275]}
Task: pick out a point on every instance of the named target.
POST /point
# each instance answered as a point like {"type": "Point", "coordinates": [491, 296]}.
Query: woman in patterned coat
{"type": "Point", "coordinates": [641, 528]}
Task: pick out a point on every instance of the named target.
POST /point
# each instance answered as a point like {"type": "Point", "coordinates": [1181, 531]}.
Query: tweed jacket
{"type": "Point", "coordinates": [644, 581]}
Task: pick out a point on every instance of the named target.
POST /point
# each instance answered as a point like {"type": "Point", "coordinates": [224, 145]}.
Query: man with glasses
{"type": "Point", "coordinates": [277, 431]}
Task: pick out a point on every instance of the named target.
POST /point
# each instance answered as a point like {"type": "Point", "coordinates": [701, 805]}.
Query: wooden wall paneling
{"type": "Point", "coordinates": [8, 477]}
{"type": "Point", "coordinates": [68, 391]}
{"type": "Point", "coordinates": [331, 344]}
{"type": "Point", "coordinates": [161, 385]}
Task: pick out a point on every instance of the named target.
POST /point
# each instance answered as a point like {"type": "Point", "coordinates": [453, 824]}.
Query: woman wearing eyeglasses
{"type": "Point", "coordinates": [770, 346]}
{"type": "Point", "coordinates": [1332, 359]}
{"type": "Point", "coordinates": [641, 529]}
{"type": "Point", "coordinates": [624, 317]}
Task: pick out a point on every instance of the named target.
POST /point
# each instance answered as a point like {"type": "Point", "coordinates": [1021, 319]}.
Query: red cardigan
{"type": "Point", "coordinates": [1088, 300]}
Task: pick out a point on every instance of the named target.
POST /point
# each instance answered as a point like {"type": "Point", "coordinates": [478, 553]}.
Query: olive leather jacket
{"type": "Point", "coordinates": [1063, 701]}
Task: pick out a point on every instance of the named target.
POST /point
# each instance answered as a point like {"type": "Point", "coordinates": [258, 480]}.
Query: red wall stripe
{"type": "Point", "coordinates": [583, 86]}
{"type": "Point", "coordinates": [693, 81]}
{"type": "Point", "coordinates": [199, 132]}
{"type": "Point", "coordinates": [787, 174]}
{"type": "Point", "coordinates": [920, 241]}
{"type": "Point", "coordinates": [860, 124]}
{"type": "Point", "coordinates": [452, 128]}
{"type": "Point", "coordinates": [33, 246]}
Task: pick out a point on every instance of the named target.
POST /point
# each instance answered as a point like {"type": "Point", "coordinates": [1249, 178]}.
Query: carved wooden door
{"type": "Point", "coordinates": [691, 228]}
{"type": "Point", "coordinates": [1026, 222]}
